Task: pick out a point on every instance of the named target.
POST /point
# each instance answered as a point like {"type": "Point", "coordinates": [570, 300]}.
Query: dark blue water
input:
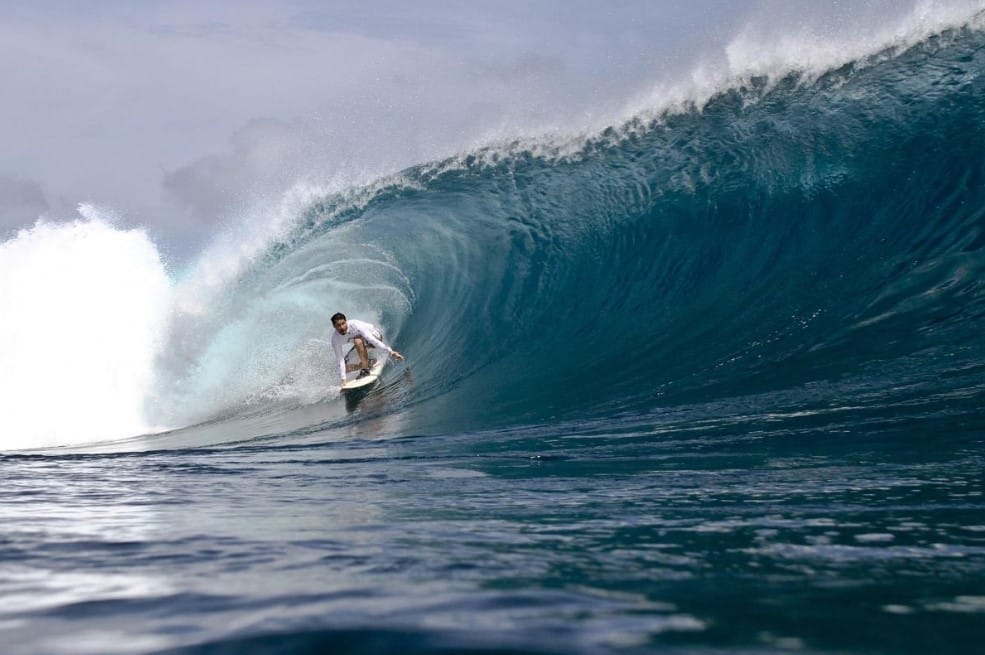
{"type": "Point", "coordinates": [709, 381]}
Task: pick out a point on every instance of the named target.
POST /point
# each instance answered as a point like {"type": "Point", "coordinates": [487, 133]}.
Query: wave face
{"type": "Point", "coordinates": [806, 241]}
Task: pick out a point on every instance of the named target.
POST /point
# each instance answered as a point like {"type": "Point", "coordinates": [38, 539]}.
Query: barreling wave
{"type": "Point", "coordinates": [791, 242]}
{"type": "Point", "coordinates": [789, 234]}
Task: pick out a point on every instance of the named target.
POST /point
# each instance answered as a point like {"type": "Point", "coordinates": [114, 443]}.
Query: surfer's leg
{"type": "Point", "coordinates": [363, 355]}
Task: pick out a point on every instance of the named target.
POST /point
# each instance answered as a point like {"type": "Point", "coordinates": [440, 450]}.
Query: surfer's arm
{"type": "Point", "coordinates": [370, 337]}
{"type": "Point", "coordinates": [369, 333]}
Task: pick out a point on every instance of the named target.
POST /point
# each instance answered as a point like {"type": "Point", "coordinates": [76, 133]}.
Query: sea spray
{"type": "Point", "coordinates": [249, 316]}
{"type": "Point", "coordinates": [83, 308]}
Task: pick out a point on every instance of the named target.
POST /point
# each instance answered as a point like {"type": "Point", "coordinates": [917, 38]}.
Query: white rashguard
{"type": "Point", "coordinates": [354, 329]}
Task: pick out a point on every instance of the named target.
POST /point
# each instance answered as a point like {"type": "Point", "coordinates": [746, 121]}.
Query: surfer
{"type": "Point", "coordinates": [358, 333]}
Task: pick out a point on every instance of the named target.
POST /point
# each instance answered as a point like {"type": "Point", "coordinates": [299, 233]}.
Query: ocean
{"type": "Point", "coordinates": [710, 380]}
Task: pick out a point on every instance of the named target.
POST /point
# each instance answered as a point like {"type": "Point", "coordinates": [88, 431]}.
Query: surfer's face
{"type": "Point", "coordinates": [341, 326]}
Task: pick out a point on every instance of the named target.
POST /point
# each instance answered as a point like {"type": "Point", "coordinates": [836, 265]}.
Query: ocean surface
{"type": "Point", "coordinates": [711, 380]}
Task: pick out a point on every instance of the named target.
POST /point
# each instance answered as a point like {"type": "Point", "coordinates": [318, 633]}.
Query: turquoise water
{"type": "Point", "coordinates": [709, 381]}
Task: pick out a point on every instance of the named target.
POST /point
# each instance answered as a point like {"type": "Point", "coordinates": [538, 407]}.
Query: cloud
{"type": "Point", "coordinates": [520, 68]}
{"type": "Point", "coordinates": [21, 202]}
{"type": "Point", "coordinates": [177, 113]}
{"type": "Point", "coordinates": [264, 157]}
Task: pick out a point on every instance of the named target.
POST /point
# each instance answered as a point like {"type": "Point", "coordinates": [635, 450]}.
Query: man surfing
{"type": "Point", "coordinates": [358, 333]}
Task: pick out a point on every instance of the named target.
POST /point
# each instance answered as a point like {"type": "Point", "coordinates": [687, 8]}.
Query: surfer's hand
{"type": "Point", "coordinates": [397, 356]}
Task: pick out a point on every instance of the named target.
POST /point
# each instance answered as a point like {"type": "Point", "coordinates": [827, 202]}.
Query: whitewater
{"type": "Point", "coordinates": [705, 377]}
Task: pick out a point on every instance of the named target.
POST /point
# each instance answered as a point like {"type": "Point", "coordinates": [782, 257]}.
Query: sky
{"type": "Point", "coordinates": [184, 116]}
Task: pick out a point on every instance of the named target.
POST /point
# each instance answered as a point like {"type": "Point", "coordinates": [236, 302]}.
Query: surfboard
{"type": "Point", "coordinates": [352, 379]}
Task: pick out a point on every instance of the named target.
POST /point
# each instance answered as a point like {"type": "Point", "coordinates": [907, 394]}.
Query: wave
{"type": "Point", "coordinates": [783, 233]}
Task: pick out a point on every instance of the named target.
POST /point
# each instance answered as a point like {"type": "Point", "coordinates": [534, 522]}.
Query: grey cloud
{"type": "Point", "coordinates": [22, 202]}
{"type": "Point", "coordinates": [523, 67]}
{"type": "Point", "coordinates": [178, 114]}
{"type": "Point", "coordinates": [263, 158]}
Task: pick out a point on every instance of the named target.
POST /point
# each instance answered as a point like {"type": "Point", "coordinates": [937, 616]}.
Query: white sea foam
{"type": "Point", "coordinates": [772, 47]}
{"type": "Point", "coordinates": [82, 310]}
{"type": "Point", "coordinates": [779, 40]}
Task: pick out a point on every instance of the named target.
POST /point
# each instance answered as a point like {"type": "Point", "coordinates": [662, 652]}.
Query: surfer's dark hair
{"type": "Point", "coordinates": [338, 316]}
